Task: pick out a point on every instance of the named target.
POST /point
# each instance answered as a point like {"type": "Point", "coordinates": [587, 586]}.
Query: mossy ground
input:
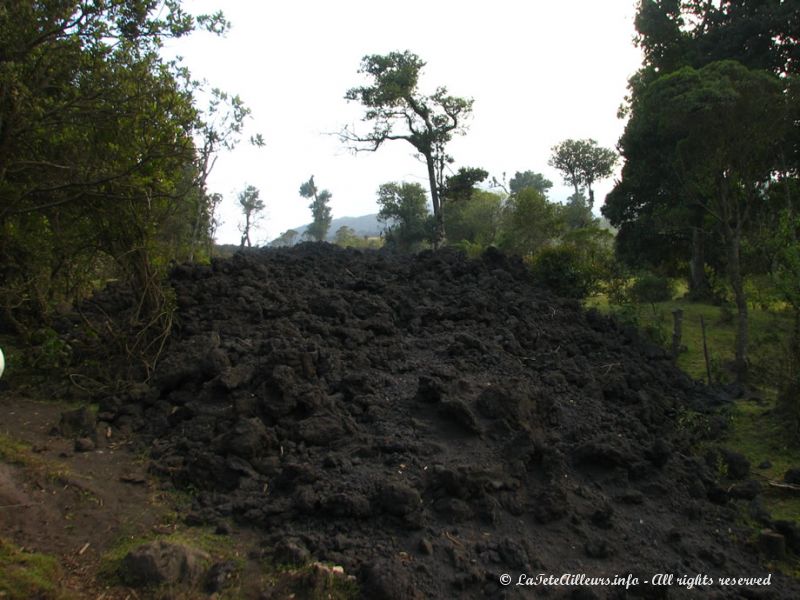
{"type": "Point", "coordinates": [312, 581]}
{"type": "Point", "coordinates": [25, 575]}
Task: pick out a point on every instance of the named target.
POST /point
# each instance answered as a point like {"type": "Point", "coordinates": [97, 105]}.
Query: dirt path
{"type": "Point", "coordinates": [74, 506]}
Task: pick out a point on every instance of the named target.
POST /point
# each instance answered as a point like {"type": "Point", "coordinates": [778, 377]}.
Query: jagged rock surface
{"type": "Point", "coordinates": [430, 422]}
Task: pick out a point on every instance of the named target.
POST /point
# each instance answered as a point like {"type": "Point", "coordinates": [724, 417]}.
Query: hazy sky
{"type": "Point", "coordinates": [540, 71]}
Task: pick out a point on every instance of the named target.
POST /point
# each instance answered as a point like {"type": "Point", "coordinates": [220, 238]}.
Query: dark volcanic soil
{"type": "Point", "coordinates": [431, 423]}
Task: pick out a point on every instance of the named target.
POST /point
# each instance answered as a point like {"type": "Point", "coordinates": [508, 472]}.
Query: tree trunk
{"type": "Point", "coordinates": [737, 283]}
{"type": "Point", "coordinates": [438, 213]}
{"type": "Point", "coordinates": [699, 288]}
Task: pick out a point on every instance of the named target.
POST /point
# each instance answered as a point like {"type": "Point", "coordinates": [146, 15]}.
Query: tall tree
{"type": "Point", "coordinates": [397, 110]}
{"type": "Point", "coordinates": [582, 163]}
{"type": "Point", "coordinates": [252, 206]}
{"type": "Point", "coordinates": [720, 131]}
{"type": "Point", "coordinates": [577, 213]}
{"type": "Point", "coordinates": [760, 34]}
{"type": "Point", "coordinates": [647, 205]}
{"type": "Point", "coordinates": [320, 210]}
{"type": "Point", "coordinates": [404, 210]}
{"type": "Point", "coordinates": [529, 179]}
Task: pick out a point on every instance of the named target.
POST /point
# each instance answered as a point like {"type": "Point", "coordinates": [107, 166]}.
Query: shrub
{"type": "Point", "coordinates": [651, 288]}
{"type": "Point", "coordinates": [617, 284]}
{"type": "Point", "coordinates": [562, 270]}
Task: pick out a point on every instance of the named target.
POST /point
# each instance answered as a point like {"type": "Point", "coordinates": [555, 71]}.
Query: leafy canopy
{"type": "Point", "coordinates": [252, 205]}
{"type": "Point", "coordinates": [582, 163]}
{"type": "Point", "coordinates": [320, 210]}
{"type": "Point", "coordinates": [404, 210]}
{"type": "Point", "coordinates": [397, 110]}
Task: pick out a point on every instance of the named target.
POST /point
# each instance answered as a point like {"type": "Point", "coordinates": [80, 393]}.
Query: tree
{"type": "Point", "coordinates": [100, 169]}
{"type": "Point", "coordinates": [346, 236]}
{"type": "Point", "coordinates": [787, 277]}
{"type": "Point", "coordinates": [459, 187]}
{"type": "Point", "coordinates": [529, 179]}
{"type": "Point", "coordinates": [320, 210]}
{"type": "Point", "coordinates": [475, 220]}
{"type": "Point", "coordinates": [530, 222]}
{"type": "Point", "coordinates": [647, 207]}
{"type": "Point", "coordinates": [287, 238]}
{"type": "Point", "coordinates": [577, 213]}
{"type": "Point", "coordinates": [582, 163]}
{"type": "Point", "coordinates": [404, 210]}
{"type": "Point", "coordinates": [397, 110]}
{"type": "Point", "coordinates": [719, 130]}
{"type": "Point", "coordinates": [759, 34]}
{"type": "Point", "coordinates": [251, 206]}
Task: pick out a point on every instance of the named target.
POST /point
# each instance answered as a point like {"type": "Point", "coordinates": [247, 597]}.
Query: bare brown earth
{"type": "Point", "coordinates": [429, 423]}
{"type": "Point", "coordinates": [71, 505]}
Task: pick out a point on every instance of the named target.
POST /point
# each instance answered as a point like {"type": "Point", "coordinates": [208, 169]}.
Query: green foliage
{"type": "Point", "coordinates": [529, 223]}
{"type": "Point", "coordinates": [320, 210]}
{"type": "Point", "coordinates": [582, 163]}
{"type": "Point", "coordinates": [25, 575]}
{"type": "Point", "coordinates": [461, 186]}
{"type": "Point", "coordinates": [48, 351]}
{"type": "Point", "coordinates": [786, 274]}
{"type": "Point", "coordinates": [529, 179]}
{"type": "Point", "coordinates": [287, 238]}
{"type": "Point", "coordinates": [617, 284]}
{"type": "Point", "coordinates": [761, 35]}
{"type": "Point", "coordinates": [346, 237]}
{"type": "Point", "coordinates": [787, 280]}
{"type": "Point", "coordinates": [476, 219]}
{"type": "Point", "coordinates": [252, 206]}
{"type": "Point", "coordinates": [658, 209]}
{"type": "Point", "coordinates": [577, 213]}
{"type": "Point", "coordinates": [104, 154]}
{"type": "Point", "coordinates": [427, 122]}
{"type": "Point", "coordinates": [715, 134]}
{"type": "Point", "coordinates": [650, 288]}
{"type": "Point", "coordinates": [562, 270]}
{"type": "Point", "coordinates": [404, 210]}
{"type": "Point", "coordinates": [471, 249]}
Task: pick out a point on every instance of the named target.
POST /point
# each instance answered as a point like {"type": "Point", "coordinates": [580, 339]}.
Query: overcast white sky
{"type": "Point", "coordinates": [539, 71]}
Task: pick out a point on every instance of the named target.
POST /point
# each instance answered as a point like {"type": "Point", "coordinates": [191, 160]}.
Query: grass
{"type": "Point", "coordinates": [766, 327]}
{"type": "Point", "coordinates": [25, 575]}
{"type": "Point", "coordinates": [756, 433]}
{"type": "Point", "coordinates": [755, 428]}
{"type": "Point", "coordinates": [18, 453]}
{"type": "Point", "coordinates": [219, 546]}
{"type": "Point", "coordinates": [307, 582]}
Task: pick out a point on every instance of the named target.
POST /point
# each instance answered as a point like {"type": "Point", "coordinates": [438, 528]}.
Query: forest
{"type": "Point", "coordinates": [108, 258]}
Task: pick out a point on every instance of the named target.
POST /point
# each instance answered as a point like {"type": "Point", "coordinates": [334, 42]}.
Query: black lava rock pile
{"type": "Point", "coordinates": [430, 423]}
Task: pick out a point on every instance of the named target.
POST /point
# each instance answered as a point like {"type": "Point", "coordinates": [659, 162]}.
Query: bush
{"type": "Point", "coordinates": [651, 288]}
{"type": "Point", "coordinates": [563, 271]}
{"type": "Point", "coordinates": [617, 284]}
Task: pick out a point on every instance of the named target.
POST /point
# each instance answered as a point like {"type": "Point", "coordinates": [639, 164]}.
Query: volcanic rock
{"type": "Point", "coordinates": [430, 422]}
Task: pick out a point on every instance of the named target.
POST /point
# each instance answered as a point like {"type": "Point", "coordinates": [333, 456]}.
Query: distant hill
{"type": "Point", "coordinates": [366, 225]}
